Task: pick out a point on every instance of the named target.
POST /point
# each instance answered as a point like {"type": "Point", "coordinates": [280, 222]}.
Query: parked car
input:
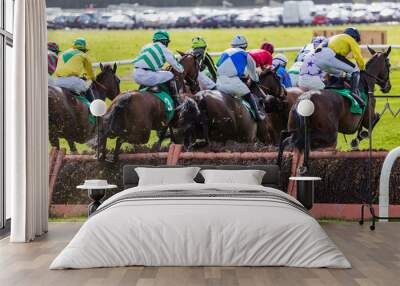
{"type": "Point", "coordinates": [297, 12]}
{"type": "Point", "coordinates": [338, 16]}
{"type": "Point", "coordinates": [103, 20]}
{"type": "Point", "coordinates": [216, 21]}
{"type": "Point", "coordinates": [362, 16]}
{"type": "Point", "coordinates": [389, 14]}
{"type": "Point", "coordinates": [88, 21]}
{"type": "Point", "coordinates": [245, 21]}
{"type": "Point", "coordinates": [320, 20]}
{"type": "Point", "coordinates": [120, 22]}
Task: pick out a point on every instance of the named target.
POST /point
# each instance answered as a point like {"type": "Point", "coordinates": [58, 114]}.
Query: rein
{"type": "Point", "coordinates": [101, 85]}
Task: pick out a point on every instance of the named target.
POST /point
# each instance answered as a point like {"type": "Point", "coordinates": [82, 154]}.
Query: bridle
{"type": "Point", "coordinates": [181, 78]}
{"type": "Point", "coordinates": [96, 83]}
{"type": "Point", "coordinates": [282, 93]}
{"type": "Point", "coordinates": [383, 83]}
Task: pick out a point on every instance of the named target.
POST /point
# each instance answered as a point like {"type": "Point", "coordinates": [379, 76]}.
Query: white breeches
{"type": "Point", "coordinates": [232, 86]}
{"type": "Point", "coordinates": [151, 78]}
{"type": "Point", "coordinates": [205, 82]}
{"type": "Point", "coordinates": [50, 81]}
{"type": "Point", "coordinates": [72, 83]}
{"type": "Point", "coordinates": [310, 82]}
{"type": "Point", "coordinates": [327, 62]}
{"type": "Point", "coordinates": [294, 72]}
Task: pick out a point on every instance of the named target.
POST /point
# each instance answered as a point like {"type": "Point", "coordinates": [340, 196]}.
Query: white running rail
{"type": "Point", "coordinates": [283, 50]}
{"type": "Point", "coordinates": [384, 182]}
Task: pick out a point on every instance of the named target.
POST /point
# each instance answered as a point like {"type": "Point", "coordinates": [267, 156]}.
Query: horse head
{"type": "Point", "coordinates": [106, 83]}
{"type": "Point", "coordinates": [275, 94]}
{"type": "Point", "coordinates": [377, 70]}
{"type": "Point", "coordinates": [191, 71]}
{"type": "Point", "coordinates": [188, 114]}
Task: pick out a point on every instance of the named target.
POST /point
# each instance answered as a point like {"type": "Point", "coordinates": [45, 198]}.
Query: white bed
{"type": "Point", "coordinates": [201, 225]}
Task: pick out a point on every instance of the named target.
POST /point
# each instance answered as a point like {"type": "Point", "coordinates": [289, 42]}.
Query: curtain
{"type": "Point", "coordinates": [27, 124]}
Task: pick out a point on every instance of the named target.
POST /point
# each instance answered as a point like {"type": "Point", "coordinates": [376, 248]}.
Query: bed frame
{"type": "Point", "coordinates": [272, 177]}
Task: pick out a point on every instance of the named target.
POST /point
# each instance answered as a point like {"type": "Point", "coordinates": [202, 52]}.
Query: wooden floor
{"type": "Point", "coordinates": [375, 257]}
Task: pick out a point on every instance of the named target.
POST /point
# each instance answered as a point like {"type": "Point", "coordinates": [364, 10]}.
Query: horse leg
{"type": "Point", "coordinates": [72, 146]}
{"type": "Point", "coordinates": [117, 150]}
{"type": "Point", "coordinates": [55, 142]}
{"type": "Point", "coordinates": [363, 133]}
{"type": "Point", "coordinates": [205, 134]}
{"type": "Point", "coordinates": [161, 136]}
{"type": "Point", "coordinates": [172, 134]}
{"type": "Point", "coordinates": [285, 138]}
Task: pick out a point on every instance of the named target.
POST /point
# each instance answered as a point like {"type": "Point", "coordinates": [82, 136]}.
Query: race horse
{"type": "Point", "coordinates": [69, 116]}
{"type": "Point", "coordinates": [278, 102]}
{"type": "Point", "coordinates": [332, 111]}
{"type": "Point", "coordinates": [223, 117]}
{"type": "Point", "coordinates": [134, 114]}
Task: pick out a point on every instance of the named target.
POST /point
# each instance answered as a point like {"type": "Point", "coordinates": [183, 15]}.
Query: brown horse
{"type": "Point", "coordinates": [277, 103]}
{"type": "Point", "coordinates": [332, 111]}
{"type": "Point", "coordinates": [223, 117]}
{"type": "Point", "coordinates": [69, 116]}
{"type": "Point", "coordinates": [134, 114]}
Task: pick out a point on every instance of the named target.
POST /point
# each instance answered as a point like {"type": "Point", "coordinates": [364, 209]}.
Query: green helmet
{"type": "Point", "coordinates": [162, 36]}
{"type": "Point", "coordinates": [198, 42]}
{"type": "Point", "coordinates": [80, 44]}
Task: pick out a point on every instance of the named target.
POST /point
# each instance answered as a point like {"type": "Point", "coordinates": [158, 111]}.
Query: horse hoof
{"type": "Point", "coordinates": [301, 171]}
{"type": "Point", "coordinates": [354, 144]}
{"type": "Point", "coordinates": [364, 134]}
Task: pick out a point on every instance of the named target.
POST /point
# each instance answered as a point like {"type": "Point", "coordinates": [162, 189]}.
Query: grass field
{"type": "Point", "coordinates": [120, 45]}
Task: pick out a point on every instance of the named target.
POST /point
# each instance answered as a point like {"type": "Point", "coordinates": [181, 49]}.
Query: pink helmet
{"type": "Point", "coordinates": [51, 46]}
{"type": "Point", "coordinates": [268, 47]}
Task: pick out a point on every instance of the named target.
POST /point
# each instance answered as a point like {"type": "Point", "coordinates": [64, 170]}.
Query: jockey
{"type": "Point", "coordinates": [232, 65]}
{"type": "Point", "coordinates": [294, 70]}
{"type": "Point", "coordinates": [73, 65]}
{"type": "Point", "coordinates": [279, 62]}
{"type": "Point", "coordinates": [311, 76]}
{"type": "Point", "coordinates": [331, 57]}
{"type": "Point", "coordinates": [148, 65]}
{"type": "Point", "coordinates": [268, 47]}
{"type": "Point", "coordinates": [199, 49]}
{"type": "Point", "coordinates": [315, 42]}
{"type": "Point", "coordinates": [52, 58]}
{"type": "Point", "coordinates": [262, 56]}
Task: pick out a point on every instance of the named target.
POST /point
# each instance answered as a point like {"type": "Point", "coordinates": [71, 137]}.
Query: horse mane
{"type": "Point", "coordinates": [266, 71]}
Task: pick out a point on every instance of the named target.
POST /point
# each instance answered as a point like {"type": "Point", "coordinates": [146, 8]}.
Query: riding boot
{"type": "Point", "coordinates": [89, 95]}
{"type": "Point", "coordinates": [355, 80]}
{"type": "Point", "coordinates": [250, 98]}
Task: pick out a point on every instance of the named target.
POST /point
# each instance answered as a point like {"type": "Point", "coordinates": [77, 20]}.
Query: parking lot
{"type": "Point", "coordinates": [297, 13]}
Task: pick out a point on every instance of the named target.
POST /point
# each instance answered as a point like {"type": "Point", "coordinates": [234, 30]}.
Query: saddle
{"type": "Point", "coordinates": [337, 83]}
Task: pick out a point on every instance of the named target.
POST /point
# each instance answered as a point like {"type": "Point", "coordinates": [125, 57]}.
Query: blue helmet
{"type": "Point", "coordinates": [354, 33]}
{"type": "Point", "coordinates": [316, 41]}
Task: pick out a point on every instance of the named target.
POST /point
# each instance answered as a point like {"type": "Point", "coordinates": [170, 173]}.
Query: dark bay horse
{"type": "Point", "coordinates": [223, 117]}
{"type": "Point", "coordinates": [278, 103]}
{"type": "Point", "coordinates": [332, 111]}
{"type": "Point", "coordinates": [134, 114]}
{"type": "Point", "coordinates": [69, 116]}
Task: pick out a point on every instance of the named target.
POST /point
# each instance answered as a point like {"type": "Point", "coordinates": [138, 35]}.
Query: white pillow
{"type": "Point", "coordinates": [166, 176]}
{"type": "Point", "coordinates": [247, 177]}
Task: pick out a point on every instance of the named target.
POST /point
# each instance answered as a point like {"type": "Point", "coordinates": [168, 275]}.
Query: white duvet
{"type": "Point", "coordinates": [202, 231]}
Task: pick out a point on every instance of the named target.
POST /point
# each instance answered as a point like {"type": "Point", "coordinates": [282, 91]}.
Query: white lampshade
{"type": "Point", "coordinates": [98, 107]}
{"type": "Point", "coordinates": [305, 107]}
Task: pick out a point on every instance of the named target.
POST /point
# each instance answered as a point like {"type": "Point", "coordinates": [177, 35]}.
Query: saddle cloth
{"type": "Point", "coordinates": [165, 98]}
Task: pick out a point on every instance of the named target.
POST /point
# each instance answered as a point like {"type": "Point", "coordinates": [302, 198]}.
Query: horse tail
{"type": "Point", "coordinates": [116, 112]}
{"type": "Point", "coordinates": [111, 120]}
